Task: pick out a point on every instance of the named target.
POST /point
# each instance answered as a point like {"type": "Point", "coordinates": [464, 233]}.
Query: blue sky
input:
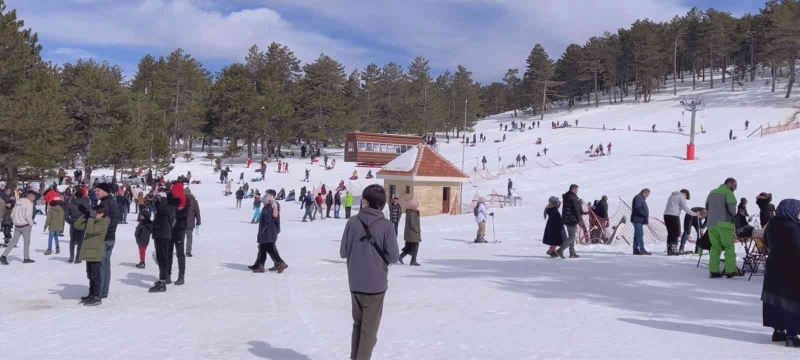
{"type": "Point", "coordinates": [486, 36]}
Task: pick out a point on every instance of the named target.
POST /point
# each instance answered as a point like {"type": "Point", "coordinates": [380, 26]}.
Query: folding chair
{"type": "Point", "coordinates": [760, 254]}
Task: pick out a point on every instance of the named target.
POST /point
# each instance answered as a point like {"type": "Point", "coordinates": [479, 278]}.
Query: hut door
{"type": "Point", "coordinates": [446, 200]}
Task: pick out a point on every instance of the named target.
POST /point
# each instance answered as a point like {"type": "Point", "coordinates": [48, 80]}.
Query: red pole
{"type": "Point", "coordinates": [690, 152]}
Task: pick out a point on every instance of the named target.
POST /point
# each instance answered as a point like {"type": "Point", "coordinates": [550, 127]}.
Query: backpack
{"type": "Point", "coordinates": [477, 209]}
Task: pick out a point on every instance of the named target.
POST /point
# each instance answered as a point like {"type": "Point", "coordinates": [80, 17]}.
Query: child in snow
{"type": "Point", "coordinates": [256, 213]}
{"type": "Point", "coordinates": [54, 222]}
{"type": "Point", "coordinates": [93, 250]}
{"type": "Point", "coordinates": [142, 234]}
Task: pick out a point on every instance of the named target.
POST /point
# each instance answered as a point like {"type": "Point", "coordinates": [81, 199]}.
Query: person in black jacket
{"type": "Point", "coordinates": [103, 193]}
{"type": "Point", "coordinates": [269, 226]}
{"type": "Point", "coordinates": [640, 216]}
{"type": "Point", "coordinates": [337, 203]}
{"type": "Point", "coordinates": [395, 212]}
{"type": "Point", "coordinates": [162, 233]}
{"type": "Point", "coordinates": [766, 210]}
{"type": "Point", "coordinates": [142, 233]}
{"type": "Point", "coordinates": [781, 291]}
{"type": "Point", "coordinates": [239, 197]}
{"type": "Point", "coordinates": [75, 235]}
{"type": "Point", "coordinates": [182, 209]}
{"type": "Point", "coordinates": [571, 216]}
{"type": "Point", "coordinates": [328, 204]}
{"type": "Point", "coordinates": [554, 234]}
{"type": "Point", "coordinates": [741, 217]}
{"type": "Point", "coordinates": [690, 222]}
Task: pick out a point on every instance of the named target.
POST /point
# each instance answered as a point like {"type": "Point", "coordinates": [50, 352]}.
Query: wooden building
{"type": "Point", "coordinates": [376, 149]}
{"type": "Point", "coordinates": [423, 174]}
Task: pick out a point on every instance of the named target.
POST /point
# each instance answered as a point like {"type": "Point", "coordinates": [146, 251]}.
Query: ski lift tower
{"type": "Point", "coordinates": [693, 105]}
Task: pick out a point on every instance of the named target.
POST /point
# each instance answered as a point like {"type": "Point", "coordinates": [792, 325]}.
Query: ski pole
{"type": "Point", "coordinates": [494, 238]}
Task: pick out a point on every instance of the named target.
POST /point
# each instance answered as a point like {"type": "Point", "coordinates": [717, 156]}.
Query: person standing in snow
{"type": "Point", "coordinates": [483, 161]}
{"type": "Point", "coordinates": [348, 204]}
{"type": "Point", "coordinates": [395, 212]}
{"type": "Point", "coordinates": [721, 205]}
{"type": "Point", "coordinates": [640, 216]}
{"type": "Point", "coordinates": [162, 233]}
{"type": "Point", "coordinates": [370, 245]}
{"type": "Point", "coordinates": [55, 223]}
{"type": "Point", "coordinates": [601, 210]}
{"type": "Point", "coordinates": [103, 193]}
{"type": "Point", "coordinates": [328, 203]}
{"type": "Point", "coordinates": [510, 186]}
{"type": "Point", "coordinates": [337, 203]}
{"type": "Point", "coordinates": [766, 210]}
{"type": "Point", "coordinates": [93, 251]}
{"type": "Point", "coordinates": [571, 215]}
{"type": "Point", "coordinates": [318, 202]}
{"type": "Point", "coordinates": [746, 124]}
{"type": "Point", "coordinates": [730, 134]}
{"type": "Point", "coordinates": [193, 220]}
{"type": "Point", "coordinates": [308, 175]}
{"type": "Point", "coordinates": [142, 234]}
{"type": "Point", "coordinates": [690, 222]}
{"type": "Point", "coordinates": [481, 216]}
{"type": "Point", "coordinates": [412, 235]}
{"type": "Point", "coordinates": [269, 226]}
{"type": "Point", "coordinates": [307, 203]}
{"type": "Point", "coordinates": [675, 203]}
{"type": "Point", "coordinates": [22, 217]}
{"type": "Point", "coordinates": [781, 291]}
{"type": "Point", "coordinates": [256, 212]}
{"type": "Point", "coordinates": [178, 231]}
{"type": "Point", "coordinates": [239, 197]}
{"type": "Point", "coordinates": [554, 234]}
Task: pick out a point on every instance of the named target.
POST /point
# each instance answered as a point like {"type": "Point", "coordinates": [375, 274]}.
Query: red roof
{"type": "Point", "coordinates": [428, 164]}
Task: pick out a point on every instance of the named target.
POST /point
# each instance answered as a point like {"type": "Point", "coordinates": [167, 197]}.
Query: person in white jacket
{"type": "Point", "coordinates": [675, 204]}
{"type": "Point", "coordinates": [481, 215]}
{"type": "Point", "coordinates": [22, 216]}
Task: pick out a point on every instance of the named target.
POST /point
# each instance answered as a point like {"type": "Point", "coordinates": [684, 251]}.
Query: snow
{"type": "Point", "coordinates": [405, 162]}
{"type": "Point", "coordinates": [504, 300]}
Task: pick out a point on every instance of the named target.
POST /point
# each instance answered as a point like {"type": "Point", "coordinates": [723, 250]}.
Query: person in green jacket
{"type": "Point", "coordinates": [721, 205]}
{"type": "Point", "coordinates": [93, 250]}
{"type": "Point", "coordinates": [348, 204]}
{"type": "Point", "coordinates": [412, 234]}
{"type": "Point", "coordinates": [54, 222]}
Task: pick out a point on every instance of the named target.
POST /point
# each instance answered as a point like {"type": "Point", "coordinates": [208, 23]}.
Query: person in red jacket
{"type": "Point", "coordinates": [318, 201]}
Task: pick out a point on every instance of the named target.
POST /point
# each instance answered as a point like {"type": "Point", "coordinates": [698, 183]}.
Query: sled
{"type": "Point", "coordinates": [615, 229]}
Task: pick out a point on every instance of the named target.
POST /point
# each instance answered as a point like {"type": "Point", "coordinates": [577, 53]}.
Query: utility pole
{"type": "Point", "coordinates": [544, 98]}
{"type": "Point", "coordinates": [464, 131]}
{"type": "Point", "coordinates": [675, 68]}
{"type": "Point", "coordinates": [693, 106]}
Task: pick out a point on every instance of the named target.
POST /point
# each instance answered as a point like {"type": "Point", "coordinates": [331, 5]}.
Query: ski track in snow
{"type": "Point", "coordinates": [496, 301]}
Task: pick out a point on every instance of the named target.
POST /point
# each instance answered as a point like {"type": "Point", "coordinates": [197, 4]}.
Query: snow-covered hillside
{"type": "Point", "coordinates": [504, 300]}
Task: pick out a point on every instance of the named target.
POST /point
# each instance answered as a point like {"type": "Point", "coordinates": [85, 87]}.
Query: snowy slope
{"type": "Point", "coordinates": [496, 301]}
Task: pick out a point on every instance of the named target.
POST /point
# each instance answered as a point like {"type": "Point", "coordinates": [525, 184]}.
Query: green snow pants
{"type": "Point", "coordinates": [721, 237]}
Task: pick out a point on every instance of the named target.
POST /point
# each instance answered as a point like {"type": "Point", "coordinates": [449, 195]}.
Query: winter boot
{"type": "Point", "coordinates": [644, 252]}
{"type": "Point", "coordinates": [260, 270]}
{"type": "Point", "coordinates": [414, 263]}
{"type": "Point", "coordinates": [159, 287]}
{"type": "Point", "coordinates": [28, 261]}
{"type": "Point", "coordinates": [3, 260]}
{"type": "Point", "coordinates": [779, 335]}
{"type": "Point", "coordinates": [281, 267]}
{"type": "Point", "coordinates": [400, 259]}
{"type": "Point", "coordinates": [252, 267]}
{"type": "Point", "coordinates": [77, 260]}
{"type": "Point", "coordinates": [140, 265]}
{"type": "Point", "coordinates": [574, 256]}
{"type": "Point", "coordinates": [48, 252]}
{"type": "Point", "coordinates": [92, 301]}
{"type": "Point", "coordinates": [85, 298]}
{"type": "Point", "coordinates": [560, 253]}
{"type": "Point", "coordinates": [180, 280]}
{"type": "Point", "coordinates": [188, 254]}
{"type": "Point", "coordinates": [169, 280]}
{"type": "Point", "coordinates": [739, 272]}
{"type": "Point", "coordinates": [58, 251]}
{"type": "Point", "coordinates": [715, 275]}
{"type": "Point", "coordinates": [71, 259]}
{"type": "Point", "coordinates": [793, 341]}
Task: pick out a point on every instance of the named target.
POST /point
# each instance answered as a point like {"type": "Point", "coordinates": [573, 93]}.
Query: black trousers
{"type": "Point", "coordinates": [93, 273]}
{"type": "Point", "coordinates": [7, 232]}
{"type": "Point", "coordinates": [327, 211]}
{"type": "Point", "coordinates": [395, 223]}
{"type": "Point", "coordinates": [75, 241]}
{"type": "Point", "coordinates": [347, 212]}
{"type": "Point", "coordinates": [176, 245]}
{"type": "Point", "coordinates": [411, 248]}
{"type": "Point", "coordinates": [263, 250]}
{"type": "Point", "coordinates": [163, 257]}
{"type": "Point", "coordinates": [673, 229]}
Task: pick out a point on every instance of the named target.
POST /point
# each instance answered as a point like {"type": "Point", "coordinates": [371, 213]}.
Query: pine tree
{"type": "Point", "coordinates": [369, 82]}
{"type": "Point", "coordinates": [321, 106]}
{"type": "Point", "coordinates": [539, 70]}
{"type": "Point", "coordinates": [420, 96]}
{"type": "Point", "coordinates": [785, 17]}
{"type": "Point", "coordinates": [512, 89]}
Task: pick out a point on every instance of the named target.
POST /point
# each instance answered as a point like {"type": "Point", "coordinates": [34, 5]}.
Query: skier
{"type": "Point", "coordinates": [348, 204]}
{"type": "Point", "coordinates": [721, 205]}
{"type": "Point", "coordinates": [672, 213]}
{"type": "Point", "coordinates": [370, 246]}
{"type": "Point", "coordinates": [93, 251]}
{"type": "Point", "coordinates": [640, 215]}
{"type": "Point", "coordinates": [269, 226]}
{"type": "Point", "coordinates": [395, 212]}
{"type": "Point", "coordinates": [571, 215]}
{"type": "Point", "coordinates": [481, 215]}
{"type": "Point", "coordinates": [412, 234]}
{"type": "Point", "coordinates": [554, 234]}
{"type": "Point", "coordinates": [142, 233]}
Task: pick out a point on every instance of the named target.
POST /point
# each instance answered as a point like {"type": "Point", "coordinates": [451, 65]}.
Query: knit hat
{"type": "Point", "coordinates": [554, 200]}
{"type": "Point", "coordinates": [104, 186]}
{"type": "Point", "coordinates": [272, 192]}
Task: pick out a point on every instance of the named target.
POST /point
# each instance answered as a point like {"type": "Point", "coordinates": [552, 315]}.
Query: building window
{"type": "Point", "coordinates": [352, 146]}
{"type": "Point", "coordinates": [408, 190]}
{"type": "Point", "coordinates": [392, 191]}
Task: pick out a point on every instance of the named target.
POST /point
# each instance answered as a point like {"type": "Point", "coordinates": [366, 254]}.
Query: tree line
{"type": "Point", "coordinates": [637, 60]}
{"type": "Point", "coordinates": [87, 114]}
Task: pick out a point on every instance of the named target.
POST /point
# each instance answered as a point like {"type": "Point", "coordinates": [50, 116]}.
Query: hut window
{"type": "Point", "coordinates": [392, 191]}
{"type": "Point", "coordinates": [408, 189]}
{"type": "Point", "coordinates": [352, 146]}
{"type": "Point", "coordinates": [369, 146]}
{"type": "Point", "coordinates": [362, 146]}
